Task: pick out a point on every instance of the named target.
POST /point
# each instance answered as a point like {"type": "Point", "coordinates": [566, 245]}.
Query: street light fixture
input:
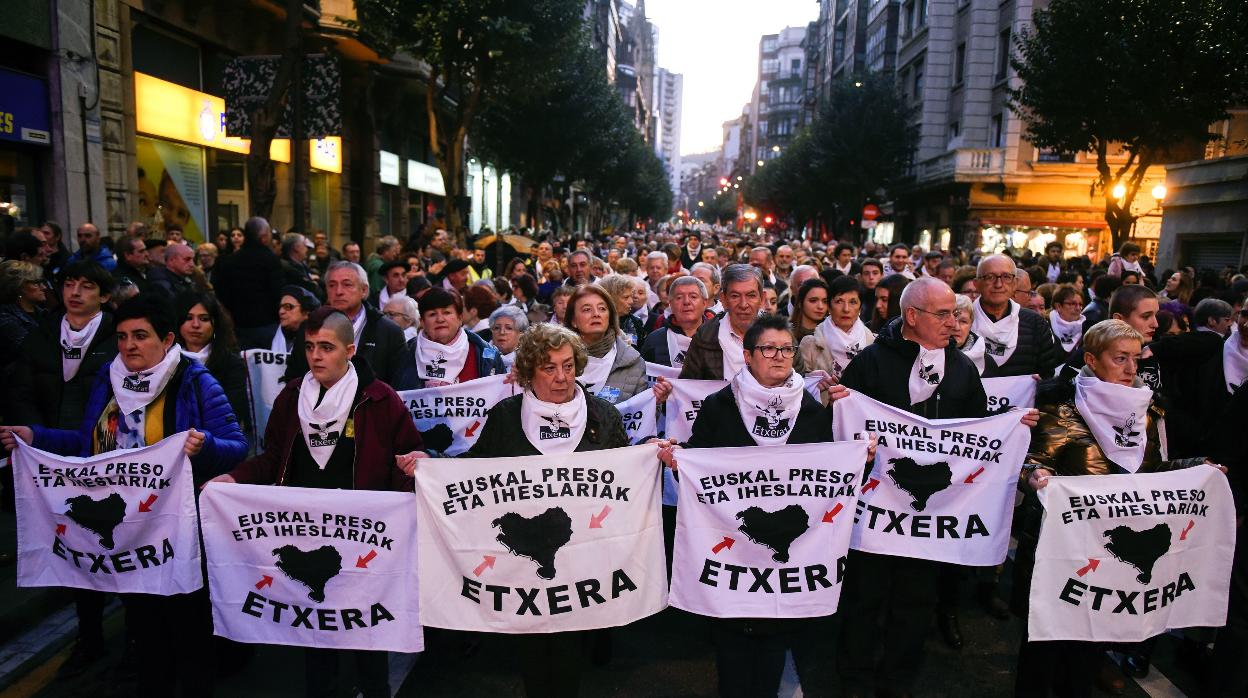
{"type": "Point", "coordinates": [775, 148]}
{"type": "Point", "coordinates": [1159, 192]}
{"type": "Point", "coordinates": [1119, 191]}
{"type": "Point", "coordinates": [701, 204]}
{"type": "Point", "coordinates": [761, 163]}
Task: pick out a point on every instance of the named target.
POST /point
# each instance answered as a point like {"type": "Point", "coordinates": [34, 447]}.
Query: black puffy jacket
{"type": "Point", "coordinates": [1037, 353]}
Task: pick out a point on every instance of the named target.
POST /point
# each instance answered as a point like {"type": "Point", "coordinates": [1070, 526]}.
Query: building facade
{"type": "Point", "coordinates": [778, 103]}
{"type": "Point", "coordinates": [669, 91]}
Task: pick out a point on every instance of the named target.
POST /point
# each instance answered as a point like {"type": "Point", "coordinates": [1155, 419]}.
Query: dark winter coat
{"type": "Point", "coordinates": [719, 423]}
{"type": "Point", "coordinates": [705, 358]}
{"type": "Point", "coordinates": [381, 345]}
{"type": "Point", "coordinates": [39, 393]}
{"type": "Point", "coordinates": [503, 436]}
{"type": "Point", "coordinates": [1037, 353]}
{"type": "Point", "coordinates": [249, 284]}
{"type": "Point", "coordinates": [487, 359]}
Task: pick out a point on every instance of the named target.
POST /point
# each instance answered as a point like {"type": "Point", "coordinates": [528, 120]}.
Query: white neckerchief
{"type": "Point", "coordinates": [553, 428]}
{"type": "Point", "coordinates": [1131, 266]}
{"type": "Point", "coordinates": [410, 332]}
{"type": "Point", "coordinates": [926, 373]}
{"type": "Point", "coordinates": [280, 345]}
{"type": "Point", "coordinates": [385, 296]}
{"type": "Point", "coordinates": [201, 356]}
{"type": "Point", "coordinates": [1000, 337]}
{"type": "Point", "coordinates": [842, 346]}
{"type": "Point", "coordinates": [845, 269]}
{"type": "Point", "coordinates": [508, 360]}
{"type": "Point", "coordinates": [135, 391]}
{"type": "Point", "coordinates": [1117, 417]}
{"type": "Point", "coordinates": [74, 344]}
{"type": "Point", "coordinates": [769, 414]}
{"type": "Point", "coordinates": [677, 347]}
{"type": "Point", "coordinates": [717, 308]}
{"type": "Point", "coordinates": [642, 313]}
{"type": "Point", "coordinates": [974, 350]}
{"type": "Point", "coordinates": [1067, 333]}
{"type": "Point", "coordinates": [733, 347]}
{"type": "Point", "coordinates": [441, 362]}
{"type": "Point", "coordinates": [1234, 360]}
{"type": "Point", "coordinates": [594, 377]}
{"type": "Point", "coordinates": [324, 424]}
{"type": "Point", "coordinates": [358, 323]}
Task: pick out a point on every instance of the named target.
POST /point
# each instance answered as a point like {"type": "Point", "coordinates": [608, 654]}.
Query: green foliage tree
{"type": "Point", "coordinates": [1144, 78]}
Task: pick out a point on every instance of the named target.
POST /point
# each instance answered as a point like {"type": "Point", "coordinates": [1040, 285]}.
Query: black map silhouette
{"type": "Point", "coordinates": [98, 516]}
{"type": "Point", "coordinates": [1140, 549]}
{"type": "Point", "coordinates": [311, 568]}
{"type": "Point", "coordinates": [774, 529]}
{"type": "Point", "coordinates": [920, 481]}
{"type": "Point", "coordinates": [538, 538]}
{"type": "Point", "coordinates": [439, 438]}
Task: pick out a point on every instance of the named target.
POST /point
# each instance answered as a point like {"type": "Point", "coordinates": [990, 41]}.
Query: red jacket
{"type": "Point", "coordinates": [383, 429]}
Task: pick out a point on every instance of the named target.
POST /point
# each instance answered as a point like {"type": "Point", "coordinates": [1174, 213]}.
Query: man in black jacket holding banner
{"type": "Point", "coordinates": [912, 366]}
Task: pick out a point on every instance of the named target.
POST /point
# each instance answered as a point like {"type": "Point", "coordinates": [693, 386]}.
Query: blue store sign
{"type": "Point", "coordinates": [24, 113]}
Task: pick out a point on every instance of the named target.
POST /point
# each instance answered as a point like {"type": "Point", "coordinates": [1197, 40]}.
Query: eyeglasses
{"type": "Point", "coordinates": [394, 316]}
{"type": "Point", "coordinates": [770, 352]}
{"type": "Point", "coordinates": [943, 315]}
{"type": "Point", "coordinates": [287, 306]}
{"type": "Point", "coordinates": [993, 279]}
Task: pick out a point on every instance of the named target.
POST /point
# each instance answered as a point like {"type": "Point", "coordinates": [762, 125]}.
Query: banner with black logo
{"type": "Point", "coordinates": [122, 521]}
{"type": "Point", "coordinates": [313, 568]}
{"type": "Point", "coordinates": [541, 544]}
{"type": "Point", "coordinates": [1123, 558]}
{"type": "Point", "coordinates": [450, 417]}
{"type": "Point", "coordinates": [764, 533]}
{"type": "Point", "coordinates": [264, 381]}
{"type": "Point", "coordinates": [940, 489]}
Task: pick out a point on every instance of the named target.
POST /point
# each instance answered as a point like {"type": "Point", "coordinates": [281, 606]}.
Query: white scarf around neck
{"type": "Point", "coordinates": [733, 347]}
{"type": "Point", "coordinates": [553, 428]}
{"type": "Point", "coordinates": [597, 370]}
{"type": "Point", "coordinates": [1066, 333]}
{"type": "Point", "coordinates": [1000, 337]}
{"type": "Point", "coordinates": [1234, 360]}
{"type": "Point", "coordinates": [441, 362]}
{"type": "Point", "coordinates": [843, 346]}
{"type": "Point", "coordinates": [280, 345]}
{"type": "Point", "coordinates": [677, 347]}
{"type": "Point", "coordinates": [769, 414]}
{"type": "Point", "coordinates": [323, 424]}
{"type": "Point", "coordinates": [973, 349]}
{"type": "Point", "coordinates": [926, 373]}
{"type": "Point", "coordinates": [201, 356]}
{"type": "Point", "coordinates": [74, 344]}
{"type": "Point", "coordinates": [357, 325]}
{"type": "Point", "coordinates": [1117, 416]}
{"type": "Point", "coordinates": [135, 391]}
{"type": "Point", "coordinates": [385, 296]}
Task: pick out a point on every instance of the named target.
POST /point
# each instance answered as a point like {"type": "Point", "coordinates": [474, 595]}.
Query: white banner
{"type": "Point", "coordinates": [639, 415]}
{"type": "Point", "coordinates": [940, 489]}
{"type": "Point", "coordinates": [264, 382]}
{"type": "Point", "coordinates": [450, 417]}
{"type": "Point", "coordinates": [684, 404]}
{"type": "Point", "coordinates": [654, 371]}
{"type": "Point", "coordinates": [541, 544]}
{"type": "Point", "coordinates": [121, 521]}
{"type": "Point", "coordinates": [1123, 558]}
{"type": "Point", "coordinates": [313, 568]}
{"type": "Point", "coordinates": [765, 541]}
{"type": "Point", "coordinates": [1007, 392]}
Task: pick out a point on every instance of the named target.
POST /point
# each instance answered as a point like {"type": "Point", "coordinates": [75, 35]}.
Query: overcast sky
{"type": "Point", "coordinates": [714, 44]}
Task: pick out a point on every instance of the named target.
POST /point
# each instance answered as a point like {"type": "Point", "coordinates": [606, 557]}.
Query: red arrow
{"type": "Point", "coordinates": [970, 479]}
{"type": "Point", "coordinates": [363, 560]}
{"type": "Point", "coordinates": [1090, 567]}
{"type": "Point", "coordinates": [472, 429]}
{"type": "Point", "coordinates": [487, 562]}
{"type": "Point", "coordinates": [829, 515]}
{"type": "Point", "coordinates": [725, 543]}
{"type": "Point", "coordinates": [596, 521]}
{"type": "Point", "coordinates": [146, 505]}
{"type": "Point", "coordinates": [60, 529]}
{"type": "Point", "coordinates": [1183, 535]}
{"type": "Point", "coordinates": [871, 484]}
{"type": "Point", "coordinates": [265, 581]}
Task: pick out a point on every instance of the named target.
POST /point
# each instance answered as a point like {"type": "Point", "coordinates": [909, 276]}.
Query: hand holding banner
{"type": "Point", "coordinates": [450, 417]}
{"type": "Point", "coordinates": [765, 541]}
{"type": "Point", "coordinates": [1122, 558]}
{"type": "Point", "coordinates": [313, 568]}
{"type": "Point", "coordinates": [541, 544]}
{"type": "Point", "coordinates": [122, 521]}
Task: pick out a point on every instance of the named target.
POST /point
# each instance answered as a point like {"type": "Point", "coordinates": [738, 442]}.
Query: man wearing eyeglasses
{"type": "Point", "coordinates": [912, 366]}
{"type": "Point", "coordinates": [1017, 341]}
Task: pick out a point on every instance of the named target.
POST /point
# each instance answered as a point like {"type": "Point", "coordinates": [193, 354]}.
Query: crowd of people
{"type": "Point", "coordinates": [124, 342]}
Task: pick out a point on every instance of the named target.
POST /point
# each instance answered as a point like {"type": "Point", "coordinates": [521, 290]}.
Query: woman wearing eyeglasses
{"type": "Point", "coordinates": [1066, 318]}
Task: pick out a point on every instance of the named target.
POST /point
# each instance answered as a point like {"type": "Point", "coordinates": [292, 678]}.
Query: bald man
{"type": "Point", "coordinates": [91, 249]}
{"type": "Point", "coordinates": [1017, 341]}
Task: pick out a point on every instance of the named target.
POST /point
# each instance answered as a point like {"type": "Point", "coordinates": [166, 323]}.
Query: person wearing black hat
{"type": "Point", "coordinates": [394, 283]}
{"type": "Point", "coordinates": [292, 311]}
{"type": "Point", "coordinates": [454, 276]}
{"type": "Point", "coordinates": [444, 351]}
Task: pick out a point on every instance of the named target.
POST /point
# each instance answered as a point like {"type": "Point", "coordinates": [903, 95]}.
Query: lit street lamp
{"type": "Point", "coordinates": [1119, 191]}
{"type": "Point", "coordinates": [1159, 192]}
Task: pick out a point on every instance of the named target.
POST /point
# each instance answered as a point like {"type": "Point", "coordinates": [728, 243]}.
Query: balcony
{"type": "Point", "coordinates": [963, 164]}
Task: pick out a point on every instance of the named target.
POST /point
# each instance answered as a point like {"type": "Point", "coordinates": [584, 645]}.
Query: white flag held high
{"type": "Point", "coordinates": [684, 404]}
{"type": "Point", "coordinates": [765, 533]}
{"type": "Point", "coordinates": [313, 568]}
{"type": "Point", "coordinates": [264, 381]}
{"type": "Point", "coordinates": [1007, 392]}
{"type": "Point", "coordinates": [450, 417]}
{"type": "Point", "coordinates": [940, 489]}
{"type": "Point", "coordinates": [1123, 558]}
{"type": "Point", "coordinates": [541, 544]}
{"type": "Point", "coordinates": [639, 415]}
{"type": "Point", "coordinates": [122, 521]}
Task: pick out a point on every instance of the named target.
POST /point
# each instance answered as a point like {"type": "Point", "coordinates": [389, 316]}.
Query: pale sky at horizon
{"type": "Point", "coordinates": [714, 44]}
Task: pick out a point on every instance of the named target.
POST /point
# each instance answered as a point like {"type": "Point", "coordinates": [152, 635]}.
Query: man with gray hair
{"type": "Point", "coordinates": [1017, 341]}
{"type": "Point", "coordinates": [668, 343]}
{"type": "Point", "coordinates": [378, 340]}
{"type": "Point", "coordinates": [709, 275]}
{"type": "Point", "coordinates": [912, 366]}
